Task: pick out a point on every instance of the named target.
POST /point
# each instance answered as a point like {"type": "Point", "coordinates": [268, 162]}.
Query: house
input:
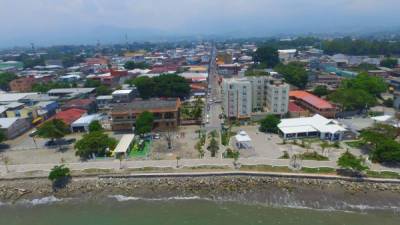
{"type": "Point", "coordinates": [17, 109]}
{"type": "Point", "coordinates": [13, 127]}
{"type": "Point", "coordinates": [165, 111]}
{"type": "Point", "coordinates": [69, 93]}
{"type": "Point", "coordinates": [86, 104]}
{"type": "Point", "coordinates": [104, 102]}
{"type": "Point", "coordinates": [311, 127]}
{"type": "Point", "coordinates": [23, 84]}
{"type": "Point", "coordinates": [70, 115]}
{"type": "Point", "coordinates": [313, 103]}
{"type": "Point", "coordinates": [229, 69]}
{"type": "Point", "coordinates": [46, 109]}
{"type": "Point", "coordinates": [124, 96]}
{"type": "Point", "coordinates": [82, 124]}
{"type": "Point", "coordinates": [287, 55]}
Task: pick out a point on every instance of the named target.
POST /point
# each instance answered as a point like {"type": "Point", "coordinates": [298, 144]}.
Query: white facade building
{"type": "Point", "coordinates": [315, 126]}
{"type": "Point", "coordinates": [237, 99]}
{"type": "Point", "coordinates": [256, 94]}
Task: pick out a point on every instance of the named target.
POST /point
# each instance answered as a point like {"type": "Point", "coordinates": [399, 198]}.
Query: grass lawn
{"type": "Point", "coordinates": [355, 144]}
{"type": "Point", "coordinates": [136, 152]}
{"type": "Point", "coordinates": [313, 156]}
{"type": "Point", "coordinates": [383, 174]}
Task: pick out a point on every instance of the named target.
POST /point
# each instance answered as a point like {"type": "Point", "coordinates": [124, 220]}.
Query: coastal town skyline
{"type": "Point", "coordinates": [199, 112]}
{"type": "Point", "coordinates": [81, 22]}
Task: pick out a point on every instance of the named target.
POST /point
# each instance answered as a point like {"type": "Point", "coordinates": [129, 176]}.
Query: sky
{"type": "Point", "coordinates": [49, 22]}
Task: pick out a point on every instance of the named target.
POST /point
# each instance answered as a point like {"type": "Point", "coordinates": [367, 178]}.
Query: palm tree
{"type": "Point", "coordinates": [324, 145]}
{"type": "Point", "coordinates": [177, 161]}
{"type": "Point", "coordinates": [6, 161]}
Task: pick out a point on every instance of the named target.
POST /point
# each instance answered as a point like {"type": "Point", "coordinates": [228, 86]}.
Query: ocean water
{"type": "Point", "coordinates": [121, 210]}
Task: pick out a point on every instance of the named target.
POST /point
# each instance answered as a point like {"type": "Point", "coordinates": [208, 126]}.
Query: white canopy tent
{"type": "Point", "coordinates": [243, 140]}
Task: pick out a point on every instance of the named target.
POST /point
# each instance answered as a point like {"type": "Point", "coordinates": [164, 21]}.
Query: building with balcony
{"type": "Point", "coordinates": [165, 111]}
{"type": "Point", "coordinates": [243, 97]}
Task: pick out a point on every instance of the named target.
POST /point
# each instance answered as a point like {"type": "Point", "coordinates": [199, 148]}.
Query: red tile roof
{"type": "Point", "coordinates": [293, 107]}
{"type": "Point", "coordinates": [69, 116]}
{"type": "Point", "coordinates": [311, 99]}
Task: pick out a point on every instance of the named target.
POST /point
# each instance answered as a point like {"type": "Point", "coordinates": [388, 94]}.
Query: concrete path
{"type": "Point", "coordinates": [115, 164]}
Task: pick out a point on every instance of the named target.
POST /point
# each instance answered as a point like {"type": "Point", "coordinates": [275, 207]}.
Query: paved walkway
{"type": "Point", "coordinates": [115, 164]}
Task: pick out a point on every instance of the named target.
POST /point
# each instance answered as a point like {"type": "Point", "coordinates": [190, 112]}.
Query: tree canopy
{"type": "Point", "coordinates": [351, 46]}
{"type": "Point", "coordinates": [270, 124]}
{"type": "Point", "coordinates": [95, 126]}
{"type": "Point", "coordinates": [382, 141]}
{"type": "Point", "coordinates": [267, 56]}
{"type": "Point", "coordinates": [352, 99]}
{"type": "Point", "coordinates": [359, 92]}
{"type": "Point", "coordinates": [389, 62]}
{"type": "Point", "coordinates": [5, 79]}
{"type": "Point", "coordinates": [320, 90]}
{"type": "Point", "coordinates": [165, 85]}
{"type": "Point", "coordinates": [371, 84]}
{"type": "Point", "coordinates": [294, 73]}
{"type": "Point", "coordinates": [144, 123]}
{"type": "Point", "coordinates": [350, 161]}
{"type": "Point", "coordinates": [53, 129]}
{"type": "Point", "coordinates": [59, 172]}
{"type": "Point", "coordinates": [2, 136]}
{"type": "Point", "coordinates": [130, 65]}
{"type": "Point", "coordinates": [45, 87]}
{"type": "Point", "coordinates": [95, 143]}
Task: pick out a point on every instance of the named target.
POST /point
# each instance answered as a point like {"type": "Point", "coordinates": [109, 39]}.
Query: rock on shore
{"type": "Point", "coordinates": [304, 192]}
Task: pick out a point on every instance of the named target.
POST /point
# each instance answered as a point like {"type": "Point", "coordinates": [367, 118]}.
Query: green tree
{"type": "Point", "coordinates": [130, 65]}
{"type": "Point", "coordinates": [95, 126]}
{"type": "Point", "coordinates": [352, 99]}
{"type": "Point", "coordinates": [3, 136]}
{"type": "Point", "coordinates": [293, 73]}
{"type": "Point", "coordinates": [350, 161]}
{"type": "Point", "coordinates": [94, 143]}
{"type": "Point", "coordinates": [267, 56]}
{"type": "Point", "coordinates": [372, 84]}
{"type": "Point", "coordinates": [53, 129]}
{"type": "Point", "coordinates": [45, 87]}
{"type": "Point", "coordinates": [5, 79]}
{"type": "Point", "coordinates": [60, 176]}
{"type": "Point", "coordinates": [270, 124]}
{"type": "Point", "coordinates": [389, 62]}
{"type": "Point", "coordinates": [144, 123]}
{"type": "Point", "coordinates": [103, 90]}
{"type": "Point", "coordinates": [320, 90]}
{"type": "Point", "coordinates": [90, 83]}
{"type": "Point", "coordinates": [213, 147]}
{"type": "Point", "coordinates": [145, 86]}
{"type": "Point", "coordinates": [382, 140]}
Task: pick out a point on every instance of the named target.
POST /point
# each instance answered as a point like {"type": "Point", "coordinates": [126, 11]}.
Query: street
{"type": "Point", "coordinates": [213, 105]}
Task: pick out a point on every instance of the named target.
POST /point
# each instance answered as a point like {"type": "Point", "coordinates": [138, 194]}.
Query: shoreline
{"type": "Point", "coordinates": [300, 190]}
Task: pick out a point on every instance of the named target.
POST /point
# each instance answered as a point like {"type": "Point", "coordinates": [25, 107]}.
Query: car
{"type": "Point", "coordinates": [156, 136]}
{"type": "Point", "coordinates": [33, 133]}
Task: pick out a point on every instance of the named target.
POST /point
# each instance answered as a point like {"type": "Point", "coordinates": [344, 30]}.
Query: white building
{"type": "Point", "coordinates": [255, 94]}
{"type": "Point", "coordinates": [237, 99]}
{"type": "Point", "coordinates": [308, 127]}
{"type": "Point", "coordinates": [287, 55]}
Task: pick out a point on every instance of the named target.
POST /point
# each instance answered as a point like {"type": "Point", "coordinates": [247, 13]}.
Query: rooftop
{"type": "Point", "coordinates": [310, 124]}
{"type": "Point", "coordinates": [149, 105]}
{"type": "Point", "coordinates": [7, 122]}
{"type": "Point", "coordinates": [311, 99]}
{"type": "Point", "coordinates": [70, 115]}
